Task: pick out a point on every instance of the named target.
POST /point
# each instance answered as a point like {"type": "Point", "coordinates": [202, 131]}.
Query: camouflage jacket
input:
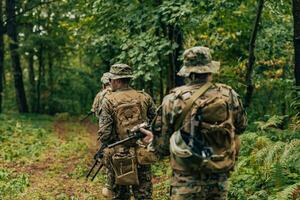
{"type": "Point", "coordinates": [107, 120]}
{"type": "Point", "coordinates": [172, 106]}
{"type": "Point", "coordinates": [96, 107]}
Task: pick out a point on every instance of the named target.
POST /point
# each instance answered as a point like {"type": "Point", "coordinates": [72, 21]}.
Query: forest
{"type": "Point", "coordinates": [54, 52]}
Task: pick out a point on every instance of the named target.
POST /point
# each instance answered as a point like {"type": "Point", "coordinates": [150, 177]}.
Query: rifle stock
{"type": "Point", "coordinates": [87, 115]}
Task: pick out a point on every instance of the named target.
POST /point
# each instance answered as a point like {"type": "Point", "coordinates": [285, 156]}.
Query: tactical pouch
{"type": "Point", "coordinates": [145, 157]}
{"type": "Point", "coordinates": [125, 168]}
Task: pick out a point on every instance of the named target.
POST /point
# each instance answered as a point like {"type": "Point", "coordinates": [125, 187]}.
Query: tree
{"type": "Point", "coordinates": [15, 57]}
{"type": "Point", "coordinates": [296, 15]}
{"type": "Point", "coordinates": [251, 59]}
{"type": "Point", "coordinates": [1, 55]}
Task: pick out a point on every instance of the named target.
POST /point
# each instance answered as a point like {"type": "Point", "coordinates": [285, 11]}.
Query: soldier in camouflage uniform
{"type": "Point", "coordinates": [120, 75]}
{"type": "Point", "coordinates": [190, 183]}
{"type": "Point", "coordinates": [96, 107]}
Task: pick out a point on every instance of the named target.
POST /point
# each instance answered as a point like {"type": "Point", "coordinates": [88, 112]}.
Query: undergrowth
{"type": "Point", "coordinates": [42, 158]}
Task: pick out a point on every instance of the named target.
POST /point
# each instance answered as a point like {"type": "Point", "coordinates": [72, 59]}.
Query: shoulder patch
{"type": "Point", "coordinates": [224, 89]}
{"type": "Point", "coordinates": [186, 95]}
{"type": "Point", "coordinates": [183, 92]}
{"type": "Point", "coordinates": [221, 85]}
{"type": "Point", "coordinates": [234, 93]}
{"type": "Point", "coordinates": [143, 92]}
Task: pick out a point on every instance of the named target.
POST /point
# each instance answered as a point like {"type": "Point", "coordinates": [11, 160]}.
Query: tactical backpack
{"type": "Point", "coordinates": [128, 113]}
{"type": "Point", "coordinates": [215, 149]}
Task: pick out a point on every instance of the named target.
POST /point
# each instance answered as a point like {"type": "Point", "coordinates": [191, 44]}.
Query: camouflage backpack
{"type": "Point", "coordinates": [128, 112]}
{"type": "Point", "coordinates": [208, 117]}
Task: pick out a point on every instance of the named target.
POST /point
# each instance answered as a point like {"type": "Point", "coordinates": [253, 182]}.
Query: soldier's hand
{"type": "Point", "coordinates": [149, 136]}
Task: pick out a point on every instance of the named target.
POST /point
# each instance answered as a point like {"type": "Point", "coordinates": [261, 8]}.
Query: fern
{"type": "Point", "coordinates": [274, 153]}
{"type": "Point", "coordinates": [292, 192]}
{"type": "Point", "coordinates": [291, 157]}
{"type": "Point", "coordinates": [262, 147]}
{"type": "Point", "coordinates": [274, 122]}
{"type": "Point", "coordinates": [295, 125]}
{"type": "Point", "coordinates": [295, 106]}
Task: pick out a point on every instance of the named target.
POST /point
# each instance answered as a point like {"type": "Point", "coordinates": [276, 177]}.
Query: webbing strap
{"type": "Point", "coordinates": [189, 104]}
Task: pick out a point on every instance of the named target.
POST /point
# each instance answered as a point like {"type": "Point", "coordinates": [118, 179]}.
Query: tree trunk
{"type": "Point", "coordinates": [251, 59]}
{"type": "Point", "coordinates": [175, 35]}
{"type": "Point", "coordinates": [40, 78]}
{"type": "Point", "coordinates": [160, 32]}
{"type": "Point", "coordinates": [178, 38]}
{"type": "Point", "coordinates": [1, 56]}
{"type": "Point", "coordinates": [15, 57]}
{"type": "Point", "coordinates": [50, 83]}
{"type": "Point", "coordinates": [296, 15]}
{"type": "Point", "coordinates": [32, 89]}
{"type": "Point", "coordinates": [171, 68]}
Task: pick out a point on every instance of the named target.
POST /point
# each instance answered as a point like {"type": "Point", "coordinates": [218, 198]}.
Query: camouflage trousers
{"type": "Point", "coordinates": [143, 191]}
{"type": "Point", "coordinates": [199, 187]}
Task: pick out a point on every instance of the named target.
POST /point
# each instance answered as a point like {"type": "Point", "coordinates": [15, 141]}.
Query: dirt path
{"type": "Point", "coordinates": [54, 159]}
{"type": "Point", "coordinates": [60, 172]}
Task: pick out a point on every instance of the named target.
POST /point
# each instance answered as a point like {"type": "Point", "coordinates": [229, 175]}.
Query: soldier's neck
{"type": "Point", "coordinates": [197, 81]}
{"type": "Point", "coordinates": [122, 87]}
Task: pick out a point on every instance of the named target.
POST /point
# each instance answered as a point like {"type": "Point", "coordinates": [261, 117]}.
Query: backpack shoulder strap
{"type": "Point", "coordinates": [189, 104]}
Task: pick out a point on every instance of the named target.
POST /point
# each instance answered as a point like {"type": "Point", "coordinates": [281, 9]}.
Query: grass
{"type": "Point", "coordinates": [42, 158]}
{"type": "Point", "coordinates": [47, 158]}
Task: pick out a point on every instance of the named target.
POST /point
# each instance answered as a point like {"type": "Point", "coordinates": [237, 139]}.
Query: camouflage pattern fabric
{"type": "Point", "coordinates": [194, 186]}
{"type": "Point", "coordinates": [172, 106]}
{"type": "Point", "coordinates": [171, 109]}
{"type": "Point", "coordinates": [198, 60]}
{"type": "Point", "coordinates": [118, 71]}
{"type": "Point", "coordinates": [107, 134]}
{"type": "Point", "coordinates": [105, 78]}
{"type": "Point", "coordinates": [106, 131]}
{"type": "Point", "coordinates": [96, 107]}
{"type": "Point", "coordinates": [143, 191]}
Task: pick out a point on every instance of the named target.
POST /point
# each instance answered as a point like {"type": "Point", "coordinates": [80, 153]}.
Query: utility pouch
{"type": "Point", "coordinates": [144, 156]}
{"type": "Point", "coordinates": [125, 168]}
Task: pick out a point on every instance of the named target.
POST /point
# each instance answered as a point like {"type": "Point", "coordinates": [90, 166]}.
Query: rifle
{"type": "Point", "coordinates": [135, 135]}
{"type": "Point", "coordinates": [196, 141]}
{"type": "Point", "coordinates": [87, 115]}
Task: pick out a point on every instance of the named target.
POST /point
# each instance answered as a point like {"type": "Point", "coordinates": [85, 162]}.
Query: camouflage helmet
{"type": "Point", "coordinates": [118, 71]}
{"type": "Point", "coordinates": [105, 78]}
{"type": "Point", "coordinates": [198, 60]}
{"type": "Point", "coordinates": [185, 154]}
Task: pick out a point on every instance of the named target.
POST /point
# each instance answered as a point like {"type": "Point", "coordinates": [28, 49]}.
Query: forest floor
{"type": "Point", "coordinates": [49, 158]}
{"type": "Point", "coordinates": [46, 157]}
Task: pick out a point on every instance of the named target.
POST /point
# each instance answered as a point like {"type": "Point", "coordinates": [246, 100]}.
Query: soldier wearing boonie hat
{"type": "Point", "coordinates": [122, 109]}
{"type": "Point", "coordinates": [105, 78]}
{"type": "Point", "coordinates": [190, 116]}
{"type": "Point", "coordinates": [120, 71]}
{"type": "Point", "coordinates": [96, 107]}
{"type": "Point", "coordinates": [198, 60]}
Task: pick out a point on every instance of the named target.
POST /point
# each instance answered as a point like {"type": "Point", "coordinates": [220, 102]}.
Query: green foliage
{"type": "Point", "coordinates": [291, 192]}
{"type": "Point", "coordinates": [80, 40]}
{"type": "Point", "coordinates": [161, 173]}
{"type": "Point", "coordinates": [45, 159]}
{"type": "Point", "coordinates": [269, 163]}
{"type": "Point", "coordinates": [22, 139]}
{"type": "Point", "coordinates": [12, 184]}
{"type": "Point", "coordinates": [59, 170]}
{"type": "Point", "coordinates": [275, 122]}
{"type": "Point", "coordinates": [74, 41]}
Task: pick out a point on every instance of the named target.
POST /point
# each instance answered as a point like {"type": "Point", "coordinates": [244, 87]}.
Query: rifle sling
{"type": "Point", "coordinates": [189, 103]}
